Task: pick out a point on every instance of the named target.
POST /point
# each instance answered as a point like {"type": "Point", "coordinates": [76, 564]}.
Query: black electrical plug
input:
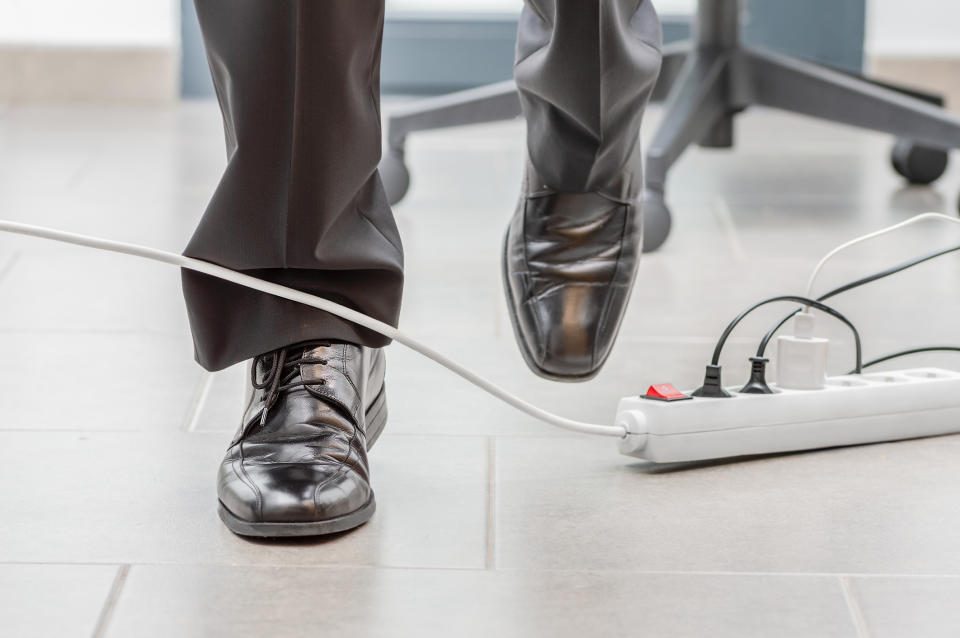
{"type": "Point", "coordinates": [712, 387]}
{"type": "Point", "coordinates": [758, 377]}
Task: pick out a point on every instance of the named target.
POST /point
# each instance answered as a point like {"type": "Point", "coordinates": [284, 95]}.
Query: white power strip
{"type": "Point", "coordinates": [851, 410]}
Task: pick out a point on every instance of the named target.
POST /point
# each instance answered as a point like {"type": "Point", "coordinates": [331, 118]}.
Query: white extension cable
{"type": "Point", "coordinates": [883, 231]}
{"type": "Point", "coordinates": [387, 330]}
{"type": "Point", "coordinates": [320, 303]}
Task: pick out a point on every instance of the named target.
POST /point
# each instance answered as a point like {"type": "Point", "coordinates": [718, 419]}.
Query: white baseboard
{"type": "Point", "coordinates": [83, 74]}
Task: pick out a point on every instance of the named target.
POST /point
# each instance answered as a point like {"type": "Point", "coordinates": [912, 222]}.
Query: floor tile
{"type": "Point", "coordinates": [90, 292]}
{"type": "Point", "coordinates": [151, 498]}
{"type": "Point", "coordinates": [887, 508]}
{"type": "Point", "coordinates": [908, 607]}
{"type": "Point", "coordinates": [96, 381]}
{"type": "Point", "coordinates": [71, 168]}
{"type": "Point", "coordinates": [239, 602]}
{"type": "Point", "coordinates": [223, 400]}
{"type": "Point", "coordinates": [127, 438]}
{"type": "Point", "coordinates": [55, 601]}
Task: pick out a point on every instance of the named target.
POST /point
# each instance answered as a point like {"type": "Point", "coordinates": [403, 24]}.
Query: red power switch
{"type": "Point", "coordinates": [665, 392]}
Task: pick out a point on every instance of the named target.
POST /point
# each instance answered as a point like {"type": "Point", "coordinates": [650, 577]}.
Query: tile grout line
{"type": "Point", "coordinates": [722, 211]}
{"type": "Point", "coordinates": [856, 614]}
{"type": "Point", "coordinates": [111, 602]}
{"type": "Point", "coordinates": [196, 408]}
{"type": "Point", "coordinates": [490, 561]}
{"type": "Point", "coordinates": [123, 332]}
{"type": "Point", "coordinates": [9, 264]}
{"type": "Point", "coordinates": [525, 570]}
{"type": "Point", "coordinates": [6, 430]}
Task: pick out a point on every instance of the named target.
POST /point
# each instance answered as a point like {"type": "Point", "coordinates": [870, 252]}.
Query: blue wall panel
{"type": "Point", "coordinates": [423, 54]}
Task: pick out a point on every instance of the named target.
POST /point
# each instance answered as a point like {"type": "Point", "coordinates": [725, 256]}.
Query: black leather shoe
{"type": "Point", "coordinates": [298, 465]}
{"type": "Point", "coordinates": [569, 263]}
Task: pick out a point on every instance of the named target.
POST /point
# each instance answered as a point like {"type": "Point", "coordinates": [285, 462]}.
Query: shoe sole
{"type": "Point", "coordinates": [286, 530]}
{"type": "Point", "coordinates": [375, 420]}
{"type": "Point", "coordinates": [527, 356]}
{"type": "Point", "coordinates": [376, 417]}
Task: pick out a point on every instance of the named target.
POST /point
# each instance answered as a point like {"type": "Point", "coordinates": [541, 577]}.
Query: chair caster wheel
{"type": "Point", "coordinates": [918, 164]}
{"type": "Point", "coordinates": [394, 175]}
{"type": "Point", "coordinates": [656, 221]}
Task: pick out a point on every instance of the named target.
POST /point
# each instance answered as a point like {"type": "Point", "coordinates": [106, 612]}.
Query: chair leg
{"type": "Point", "coordinates": [675, 55]}
{"type": "Point", "coordinates": [803, 87]}
{"type": "Point", "coordinates": [492, 103]}
{"type": "Point", "coordinates": [698, 101]}
{"type": "Point", "coordinates": [926, 96]}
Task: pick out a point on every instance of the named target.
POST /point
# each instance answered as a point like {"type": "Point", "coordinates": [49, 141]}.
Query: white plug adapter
{"type": "Point", "coordinates": [802, 358]}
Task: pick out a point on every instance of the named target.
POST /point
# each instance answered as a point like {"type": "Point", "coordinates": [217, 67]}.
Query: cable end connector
{"type": "Point", "coordinates": [712, 387]}
{"type": "Point", "coordinates": [758, 377]}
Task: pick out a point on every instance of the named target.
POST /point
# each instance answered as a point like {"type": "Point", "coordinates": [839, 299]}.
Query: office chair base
{"type": "Point", "coordinates": [705, 84]}
{"type": "Point", "coordinates": [717, 83]}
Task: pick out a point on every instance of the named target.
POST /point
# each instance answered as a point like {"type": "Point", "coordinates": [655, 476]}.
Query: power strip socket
{"type": "Point", "coordinates": [850, 410]}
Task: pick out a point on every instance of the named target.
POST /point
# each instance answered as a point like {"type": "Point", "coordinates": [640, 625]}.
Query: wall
{"type": "Point", "coordinates": [89, 50]}
{"type": "Point", "coordinates": [913, 28]}
{"type": "Point", "coordinates": [127, 49]}
{"type": "Point", "coordinates": [510, 6]}
{"type": "Point", "coordinates": [99, 23]}
{"type": "Point", "coordinates": [894, 27]}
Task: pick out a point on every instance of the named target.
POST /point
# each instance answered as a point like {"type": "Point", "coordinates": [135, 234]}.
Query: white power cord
{"type": "Point", "coordinates": [320, 303]}
{"type": "Point", "coordinates": [387, 330]}
{"type": "Point", "coordinates": [883, 231]}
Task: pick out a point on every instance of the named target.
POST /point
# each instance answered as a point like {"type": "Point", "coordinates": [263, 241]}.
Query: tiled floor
{"type": "Point", "coordinates": [489, 524]}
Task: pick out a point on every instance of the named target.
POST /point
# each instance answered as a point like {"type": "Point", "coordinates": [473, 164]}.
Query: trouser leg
{"type": "Point", "coordinates": [300, 202]}
{"type": "Point", "coordinates": [585, 70]}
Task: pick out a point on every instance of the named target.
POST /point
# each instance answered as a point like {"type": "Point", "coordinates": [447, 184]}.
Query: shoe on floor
{"type": "Point", "coordinates": [569, 262]}
{"type": "Point", "coordinates": [298, 464]}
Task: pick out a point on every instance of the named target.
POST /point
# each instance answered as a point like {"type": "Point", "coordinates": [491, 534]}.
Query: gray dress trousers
{"type": "Point", "coordinates": [300, 202]}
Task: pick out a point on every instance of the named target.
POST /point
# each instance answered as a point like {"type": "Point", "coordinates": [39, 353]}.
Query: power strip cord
{"type": "Point", "coordinates": [713, 370]}
{"type": "Point", "coordinates": [855, 284]}
{"type": "Point", "coordinates": [320, 303]}
{"type": "Point", "coordinates": [883, 231]}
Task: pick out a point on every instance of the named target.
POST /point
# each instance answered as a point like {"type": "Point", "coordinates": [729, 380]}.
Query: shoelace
{"type": "Point", "coordinates": [282, 372]}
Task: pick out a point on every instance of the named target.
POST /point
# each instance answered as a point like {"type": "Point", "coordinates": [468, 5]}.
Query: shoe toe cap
{"type": "Point", "coordinates": [564, 334]}
{"type": "Point", "coordinates": [292, 493]}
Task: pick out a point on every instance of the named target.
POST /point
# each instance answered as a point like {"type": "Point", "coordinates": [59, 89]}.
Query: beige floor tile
{"type": "Point", "coordinates": [239, 602]}
{"type": "Point", "coordinates": [111, 335]}
{"type": "Point", "coordinates": [574, 503]}
{"type": "Point", "coordinates": [96, 381]}
{"type": "Point", "coordinates": [151, 498]}
{"type": "Point", "coordinates": [907, 607]}
{"type": "Point", "coordinates": [55, 601]}
{"type": "Point", "coordinates": [222, 400]}
{"type": "Point", "coordinates": [88, 292]}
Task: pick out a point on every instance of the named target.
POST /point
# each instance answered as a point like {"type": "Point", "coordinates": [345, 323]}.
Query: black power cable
{"type": "Point", "coordinates": [904, 353]}
{"type": "Point", "coordinates": [712, 386]}
{"type": "Point", "coordinates": [850, 286]}
{"type": "Point", "coordinates": [813, 303]}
